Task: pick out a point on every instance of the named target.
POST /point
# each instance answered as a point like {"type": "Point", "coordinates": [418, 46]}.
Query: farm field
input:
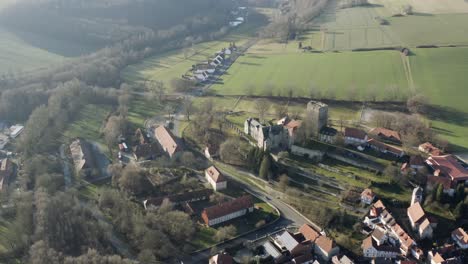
{"type": "Point", "coordinates": [441, 75]}
{"type": "Point", "coordinates": [334, 74]}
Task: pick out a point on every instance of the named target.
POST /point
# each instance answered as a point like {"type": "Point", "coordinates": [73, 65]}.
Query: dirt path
{"type": "Point", "coordinates": [408, 73]}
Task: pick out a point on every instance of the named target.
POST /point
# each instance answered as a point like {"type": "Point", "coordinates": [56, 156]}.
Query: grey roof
{"type": "Point", "coordinates": [287, 240]}
{"type": "Point", "coordinates": [271, 250]}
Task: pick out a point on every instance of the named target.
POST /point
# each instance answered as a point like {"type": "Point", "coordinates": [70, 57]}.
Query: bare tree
{"type": "Point", "coordinates": [262, 108]}
{"type": "Point", "coordinates": [188, 107]}
{"type": "Point", "coordinates": [281, 111]}
{"type": "Point", "coordinates": [156, 88]}
{"type": "Point", "coordinates": [417, 103]}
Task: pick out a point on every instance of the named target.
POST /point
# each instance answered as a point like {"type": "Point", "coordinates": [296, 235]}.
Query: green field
{"type": "Point", "coordinates": [441, 75]}
{"type": "Point", "coordinates": [18, 55]}
{"type": "Point", "coordinates": [88, 124]}
{"type": "Point", "coordinates": [336, 73]}
{"type": "Point", "coordinates": [167, 66]}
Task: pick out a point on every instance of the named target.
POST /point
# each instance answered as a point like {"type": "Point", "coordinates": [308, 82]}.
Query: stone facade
{"type": "Point", "coordinates": [318, 114]}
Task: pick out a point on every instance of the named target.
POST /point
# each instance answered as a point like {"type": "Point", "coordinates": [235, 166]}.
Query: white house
{"type": "Point", "coordinates": [326, 248]}
{"type": "Point", "coordinates": [419, 221]}
{"type": "Point", "coordinates": [16, 130]}
{"type": "Point", "coordinates": [215, 178]}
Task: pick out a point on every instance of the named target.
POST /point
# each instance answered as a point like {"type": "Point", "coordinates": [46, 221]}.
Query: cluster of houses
{"type": "Point", "coordinates": [388, 240]}
{"type": "Point", "coordinates": [305, 246]}
{"type": "Point", "coordinates": [238, 16]}
{"type": "Point", "coordinates": [82, 152]}
{"type": "Point", "coordinates": [202, 71]}
{"type": "Point", "coordinates": [212, 215]}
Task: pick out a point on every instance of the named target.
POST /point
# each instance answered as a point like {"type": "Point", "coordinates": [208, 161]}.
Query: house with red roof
{"type": "Point", "coordinates": [386, 134]}
{"type": "Point", "coordinates": [449, 166]}
{"type": "Point", "coordinates": [326, 248]}
{"type": "Point", "coordinates": [355, 136]}
{"type": "Point", "coordinates": [228, 210]}
{"type": "Point", "coordinates": [419, 221]}
{"type": "Point", "coordinates": [167, 140]}
{"type": "Point", "coordinates": [384, 148]}
{"type": "Point", "coordinates": [460, 237]}
{"type": "Point", "coordinates": [215, 178]}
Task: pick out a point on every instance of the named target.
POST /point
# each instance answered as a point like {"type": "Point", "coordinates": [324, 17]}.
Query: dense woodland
{"type": "Point", "coordinates": [100, 23]}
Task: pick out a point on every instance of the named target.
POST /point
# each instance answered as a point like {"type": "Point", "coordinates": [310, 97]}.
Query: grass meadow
{"type": "Point", "coordinates": [332, 74]}
{"type": "Point", "coordinates": [18, 55]}
{"type": "Point", "coordinates": [440, 74]}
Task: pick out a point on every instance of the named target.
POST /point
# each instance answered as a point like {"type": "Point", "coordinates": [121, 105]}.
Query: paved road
{"type": "Point", "coordinates": [289, 217]}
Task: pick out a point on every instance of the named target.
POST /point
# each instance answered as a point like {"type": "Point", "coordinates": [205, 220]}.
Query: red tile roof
{"type": "Point", "coordinates": [368, 193]}
{"type": "Point", "coordinates": [223, 258]}
{"type": "Point", "coordinates": [416, 212]}
{"type": "Point", "coordinates": [386, 133]}
{"type": "Point", "coordinates": [354, 133]}
{"type": "Point", "coordinates": [383, 146]}
{"type": "Point", "coordinates": [226, 208]}
{"type": "Point", "coordinates": [325, 243]}
{"type": "Point", "coordinates": [450, 166]}
{"type": "Point", "coordinates": [215, 174]}
{"type": "Point", "coordinates": [308, 232]}
{"type": "Point", "coordinates": [461, 235]}
{"type": "Point", "coordinates": [166, 139]}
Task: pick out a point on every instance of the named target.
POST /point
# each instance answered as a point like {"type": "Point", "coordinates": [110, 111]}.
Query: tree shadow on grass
{"type": "Point", "coordinates": [447, 114]}
{"type": "Point", "coordinates": [250, 63]}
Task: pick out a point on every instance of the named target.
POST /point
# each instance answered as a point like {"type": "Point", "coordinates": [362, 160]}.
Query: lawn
{"type": "Point", "coordinates": [88, 123]}
{"type": "Point", "coordinates": [440, 74]}
{"type": "Point", "coordinates": [332, 74]}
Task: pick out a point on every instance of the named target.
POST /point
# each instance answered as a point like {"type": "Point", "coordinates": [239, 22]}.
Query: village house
{"type": "Point", "coordinates": [434, 181]}
{"type": "Point", "coordinates": [273, 252]}
{"type": "Point", "coordinates": [228, 210]}
{"type": "Point", "coordinates": [82, 157]}
{"type": "Point", "coordinates": [445, 254]}
{"type": "Point", "coordinates": [326, 248]}
{"type": "Point", "coordinates": [419, 221]}
{"type": "Point", "coordinates": [384, 148]}
{"type": "Point", "coordinates": [386, 134]}
{"type": "Point", "coordinates": [16, 130]}
{"type": "Point", "coordinates": [176, 199]}
{"type": "Point", "coordinates": [460, 237]}
{"type": "Point", "coordinates": [292, 125]}
{"type": "Point", "coordinates": [309, 233]}
{"type": "Point", "coordinates": [354, 136]}
{"type": "Point", "coordinates": [221, 258]}
{"type": "Point", "coordinates": [215, 178]}
{"type": "Point", "coordinates": [449, 166]}
{"type": "Point", "coordinates": [367, 196]}
{"type": "Point", "coordinates": [371, 249]}
{"type": "Point", "coordinates": [288, 242]}
{"type": "Point", "coordinates": [6, 170]}
{"type": "Point", "coordinates": [379, 215]}
{"type": "Point", "coordinates": [167, 140]}
{"type": "Point", "coordinates": [428, 148]}
{"type": "Point", "coordinates": [267, 137]}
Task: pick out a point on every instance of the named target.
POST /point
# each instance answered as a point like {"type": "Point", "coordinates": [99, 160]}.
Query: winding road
{"type": "Point", "coordinates": [289, 217]}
